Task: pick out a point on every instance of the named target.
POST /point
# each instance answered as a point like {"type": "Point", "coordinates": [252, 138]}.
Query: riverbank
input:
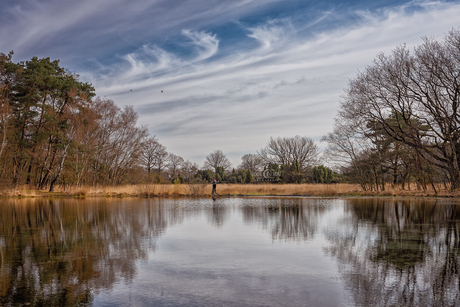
{"type": "Point", "coordinates": [204, 190]}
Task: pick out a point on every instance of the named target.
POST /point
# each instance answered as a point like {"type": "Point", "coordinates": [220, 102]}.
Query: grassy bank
{"type": "Point", "coordinates": [204, 190]}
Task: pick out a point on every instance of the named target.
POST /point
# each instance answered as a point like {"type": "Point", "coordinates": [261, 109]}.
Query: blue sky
{"type": "Point", "coordinates": [233, 72]}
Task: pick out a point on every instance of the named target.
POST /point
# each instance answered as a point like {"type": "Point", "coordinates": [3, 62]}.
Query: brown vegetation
{"type": "Point", "coordinates": [399, 118]}
{"type": "Point", "coordinates": [204, 190]}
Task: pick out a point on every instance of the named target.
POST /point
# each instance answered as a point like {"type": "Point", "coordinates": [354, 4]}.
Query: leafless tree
{"type": "Point", "coordinates": [149, 152]}
{"type": "Point", "coordinates": [175, 163]}
{"type": "Point", "coordinates": [347, 145]}
{"type": "Point", "coordinates": [161, 158]}
{"type": "Point", "coordinates": [251, 162]}
{"type": "Point", "coordinates": [217, 159]}
{"type": "Point", "coordinates": [420, 91]}
{"type": "Point", "coordinates": [119, 141]}
{"type": "Point", "coordinates": [189, 169]}
{"type": "Point", "coordinates": [300, 149]}
{"type": "Point", "coordinates": [126, 144]}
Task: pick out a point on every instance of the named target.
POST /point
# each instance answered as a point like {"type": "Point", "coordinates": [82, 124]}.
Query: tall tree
{"type": "Point", "coordinates": [298, 149]}
{"type": "Point", "coordinates": [149, 151]}
{"type": "Point", "coordinates": [251, 162]}
{"type": "Point", "coordinates": [175, 164]}
{"type": "Point", "coordinates": [45, 96]}
{"type": "Point", "coordinates": [161, 158]}
{"type": "Point", "coordinates": [119, 142]}
{"type": "Point", "coordinates": [423, 87]}
{"type": "Point", "coordinates": [9, 74]}
{"type": "Point", "coordinates": [217, 159]}
{"type": "Point", "coordinates": [189, 169]}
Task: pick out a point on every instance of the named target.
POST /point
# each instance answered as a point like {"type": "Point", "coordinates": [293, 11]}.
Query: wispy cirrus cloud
{"type": "Point", "coordinates": [66, 29]}
{"type": "Point", "coordinates": [145, 66]}
{"type": "Point", "coordinates": [205, 43]}
{"type": "Point", "coordinates": [253, 95]}
{"type": "Point", "coordinates": [272, 33]}
{"type": "Point", "coordinates": [147, 62]}
{"type": "Point", "coordinates": [234, 73]}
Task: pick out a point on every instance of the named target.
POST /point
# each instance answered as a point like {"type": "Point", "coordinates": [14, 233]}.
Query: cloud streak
{"type": "Point", "coordinates": [271, 34]}
{"type": "Point", "coordinates": [229, 83]}
{"type": "Point", "coordinates": [206, 44]}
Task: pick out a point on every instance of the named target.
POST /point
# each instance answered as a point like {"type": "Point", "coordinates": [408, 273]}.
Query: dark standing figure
{"type": "Point", "coordinates": [214, 183]}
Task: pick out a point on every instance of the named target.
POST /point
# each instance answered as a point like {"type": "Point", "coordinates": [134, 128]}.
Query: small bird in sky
{"type": "Point", "coordinates": [162, 91]}
{"type": "Point", "coordinates": [130, 90]}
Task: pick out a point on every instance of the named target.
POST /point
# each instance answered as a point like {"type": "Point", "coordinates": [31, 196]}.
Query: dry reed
{"type": "Point", "coordinates": [199, 190]}
{"type": "Point", "coordinates": [204, 190]}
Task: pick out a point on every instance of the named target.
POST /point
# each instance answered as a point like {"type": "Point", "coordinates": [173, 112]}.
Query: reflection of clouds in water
{"type": "Point", "coordinates": [225, 286]}
{"type": "Point", "coordinates": [77, 247]}
{"type": "Point", "coordinates": [66, 250]}
{"type": "Point", "coordinates": [202, 263]}
{"type": "Point", "coordinates": [186, 209]}
{"type": "Point", "coordinates": [205, 252]}
{"type": "Point", "coordinates": [402, 252]}
{"type": "Point", "coordinates": [95, 245]}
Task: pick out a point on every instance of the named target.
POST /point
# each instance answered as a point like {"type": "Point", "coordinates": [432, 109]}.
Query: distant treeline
{"type": "Point", "coordinates": [398, 122]}
{"type": "Point", "coordinates": [53, 131]}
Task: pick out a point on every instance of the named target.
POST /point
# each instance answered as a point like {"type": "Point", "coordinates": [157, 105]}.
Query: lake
{"type": "Point", "coordinates": [230, 252]}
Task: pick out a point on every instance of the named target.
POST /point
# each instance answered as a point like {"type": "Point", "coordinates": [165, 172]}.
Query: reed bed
{"type": "Point", "coordinates": [204, 190]}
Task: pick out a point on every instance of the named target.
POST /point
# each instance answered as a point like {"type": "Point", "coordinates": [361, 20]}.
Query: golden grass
{"type": "Point", "coordinates": [204, 190]}
{"type": "Point", "coordinates": [199, 190]}
{"type": "Point", "coordinates": [287, 189]}
{"type": "Point", "coordinates": [21, 191]}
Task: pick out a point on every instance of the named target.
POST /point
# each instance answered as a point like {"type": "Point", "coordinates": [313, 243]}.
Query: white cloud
{"type": "Point", "coordinates": [250, 96]}
{"type": "Point", "coordinates": [272, 33]}
{"type": "Point", "coordinates": [206, 43]}
{"type": "Point", "coordinates": [288, 84]}
{"type": "Point", "coordinates": [67, 29]}
{"type": "Point", "coordinates": [146, 62]}
{"type": "Point", "coordinates": [151, 65]}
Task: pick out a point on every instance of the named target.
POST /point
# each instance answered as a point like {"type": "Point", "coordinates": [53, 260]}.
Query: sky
{"type": "Point", "coordinates": [221, 74]}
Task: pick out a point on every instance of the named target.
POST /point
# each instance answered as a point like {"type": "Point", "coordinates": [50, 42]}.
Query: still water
{"type": "Point", "coordinates": [231, 252]}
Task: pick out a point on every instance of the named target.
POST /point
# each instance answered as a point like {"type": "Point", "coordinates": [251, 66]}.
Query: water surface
{"type": "Point", "coordinates": [231, 252]}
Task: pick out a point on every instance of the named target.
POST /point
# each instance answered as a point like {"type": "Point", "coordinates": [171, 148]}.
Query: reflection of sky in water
{"type": "Point", "coordinates": [232, 252]}
{"type": "Point", "coordinates": [201, 262]}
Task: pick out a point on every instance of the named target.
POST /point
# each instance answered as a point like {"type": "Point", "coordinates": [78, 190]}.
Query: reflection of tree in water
{"type": "Point", "coordinates": [399, 253]}
{"type": "Point", "coordinates": [286, 219]}
{"type": "Point", "coordinates": [218, 215]}
{"type": "Point", "coordinates": [58, 253]}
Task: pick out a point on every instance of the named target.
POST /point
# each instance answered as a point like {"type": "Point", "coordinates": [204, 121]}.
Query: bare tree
{"type": "Point", "coordinates": [175, 163]}
{"type": "Point", "coordinates": [189, 169]}
{"type": "Point", "coordinates": [217, 159]}
{"type": "Point", "coordinates": [343, 145]}
{"type": "Point", "coordinates": [347, 147]}
{"type": "Point", "coordinates": [126, 144]}
{"type": "Point", "coordinates": [149, 152]}
{"type": "Point", "coordinates": [251, 162]}
{"type": "Point", "coordinates": [300, 149]}
{"type": "Point", "coordinates": [420, 92]}
{"type": "Point", "coordinates": [119, 142]}
{"type": "Point", "coordinates": [154, 156]}
{"type": "Point", "coordinates": [161, 158]}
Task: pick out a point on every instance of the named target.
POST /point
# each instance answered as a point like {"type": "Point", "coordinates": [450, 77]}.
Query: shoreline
{"type": "Point", "coordinates": [224, 190]}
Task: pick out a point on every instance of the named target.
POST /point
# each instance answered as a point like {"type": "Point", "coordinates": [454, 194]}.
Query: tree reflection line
{"type": "Point", "coordinates": [403, 253]}
{"type": "Point", "coordinates": [60, 253]}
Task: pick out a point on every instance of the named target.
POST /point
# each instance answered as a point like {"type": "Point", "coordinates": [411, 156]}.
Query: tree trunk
{"type": "Point", "coordinates": [61, 166]}
{"type": "Point", "coordinates": [454, 179]}
{"type": "Point", "coordinates": [48, 171]}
